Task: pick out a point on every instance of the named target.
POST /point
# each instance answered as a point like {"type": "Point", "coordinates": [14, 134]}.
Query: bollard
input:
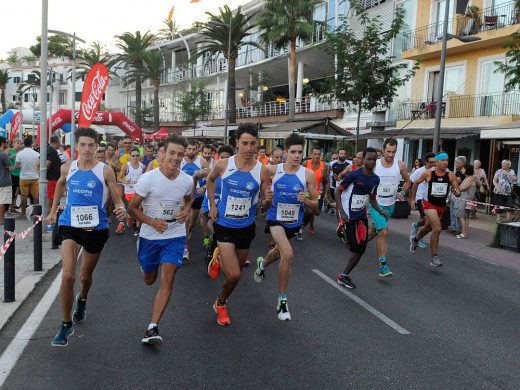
{"type": "Point", "coordinates": [37, 211]}
{"type": "Point", "coordinates": [55, 230]}
{"type": "Point", "coordinates": [9, 263]}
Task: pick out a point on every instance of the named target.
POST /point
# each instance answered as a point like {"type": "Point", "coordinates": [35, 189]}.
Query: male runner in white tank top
{"type": "Point", "coordinates": [390, 172]}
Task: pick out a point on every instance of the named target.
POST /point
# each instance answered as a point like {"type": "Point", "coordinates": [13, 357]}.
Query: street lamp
{"type": "Point", "coordinates": [73, 110]}
{"type": "Point", "coordinates": [226, 114]}
{"type": "Point", "coordinates": [440, 92]}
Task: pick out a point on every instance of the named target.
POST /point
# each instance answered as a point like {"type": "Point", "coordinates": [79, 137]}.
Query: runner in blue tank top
{"type": "Point", "coordinates": [83, 224]}
{"type": "Point", "coordinates": [243, 178]}
{"type": "Point", "coordinates": [190, 164]}
{"type": "Point", "coordinates": [291, 182]}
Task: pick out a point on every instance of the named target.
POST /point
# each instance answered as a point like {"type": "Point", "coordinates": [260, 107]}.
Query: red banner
{"type": "Point", "coordinates": [94, 87]}
{"type": "Point", "coordinates": [15, 124]}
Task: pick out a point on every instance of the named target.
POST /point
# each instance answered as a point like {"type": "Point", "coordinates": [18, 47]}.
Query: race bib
{"type": "Point", "coordinates": [133, 182]}
{"type": "Point", "coordinates": [358, 202]}
{"type": "Point", "coordinates": [237, 208]}
{"type": "Point", "coordinates": [168, 210]}
{"type": "Point", "coordinates": [386, 190]}
{"type": "Point", "coordinates": [287, 212]}
{"type": "Point", "coordinates": [84, 217]}
{"type": "Point", "coordinates": [439, 189]}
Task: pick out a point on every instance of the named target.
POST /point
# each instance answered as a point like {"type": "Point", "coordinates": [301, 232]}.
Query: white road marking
{"type": "Point", "coordinates": [362, 303]}
{"type": "Point", "coordinates": [24, 335]}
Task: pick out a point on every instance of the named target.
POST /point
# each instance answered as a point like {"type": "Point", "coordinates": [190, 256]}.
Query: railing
{"type": "Point", "coordinates": [461, 106]}
{"type": "Point", "coordinates": [471, 23]}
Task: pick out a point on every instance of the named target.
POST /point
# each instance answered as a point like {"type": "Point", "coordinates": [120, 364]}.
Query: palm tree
{"type": "Point", "coordinates": [168, 30]}
{"type": "Point", "coordinates": [4, 79]}
{"type": "Point", "coordinates": [133, 47]}
{"type": "Point", "coordinates": [13, 59]}
{"type": "Point", "coordinates": [217, 42]}
{"type": "Point", "coordinates": [283, 22]}
{"type": "Point", "coordinates": [152, 69]}
{"type": "Point", "coordinates": [95, 54]}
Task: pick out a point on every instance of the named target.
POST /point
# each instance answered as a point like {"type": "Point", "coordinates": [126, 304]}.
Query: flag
{"type": "Point", "coordinates": [194, 1]}
{"type": "Point", "coordinates": [170, 15]}
{"type": "Point", "coordinates": [94, 87]}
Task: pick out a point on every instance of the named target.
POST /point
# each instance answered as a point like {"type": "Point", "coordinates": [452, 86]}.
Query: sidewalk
{"type": "Point", "coordinates": [25, 276]}
{"type": "Point", "coordinates": [481, 232]}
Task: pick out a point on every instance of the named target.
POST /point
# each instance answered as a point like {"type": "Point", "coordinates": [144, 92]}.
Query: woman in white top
{"type": "Point", "coordinates": [129, 175]}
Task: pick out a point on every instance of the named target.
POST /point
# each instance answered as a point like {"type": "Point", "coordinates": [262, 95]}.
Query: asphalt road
{"type": "Point", "coordinates": [451, 327]}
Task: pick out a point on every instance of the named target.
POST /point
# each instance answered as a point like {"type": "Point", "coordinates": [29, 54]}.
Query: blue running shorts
{"type": "Point", "coordinates": [152, 253]}
{"type": "Point", "coordinates": [378, 220]}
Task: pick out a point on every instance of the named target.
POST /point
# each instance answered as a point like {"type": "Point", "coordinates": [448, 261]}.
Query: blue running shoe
{"type": "Point", "coordinates": [80, 310]}
{"type": "Point", "coordinates": [435, 262]}
{"type": "Point", "coordinates": [299, 237]}
{"type": "Point", "coordinates": [415, 229]}
{"type": "Point", "coordinates": [384, 271]}
{"type": "Point", "coordinates": [421, 244]}
{"type": "Point", "coordinates": [413, 244]}
{"type": "Point", "coordinates": [62, 337]}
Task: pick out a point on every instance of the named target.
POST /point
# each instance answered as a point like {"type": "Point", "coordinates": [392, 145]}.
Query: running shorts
{"type": "Point", "coordinates": [152, 253]}
{"type": "Point", "coordinates": [241, 237]}
{"type": "Point", "coordinates": [419, 205]}
{"type": "Point", "coordinates": [92, 241]}
{"type": "Point", "coordinates": [289, 232]}
{"type": "Point", "coordinates": [51, 188]}
{"type": "Point", "coordinates": [428, 206]}
{"type": "Point", "coordinates": [378, 220]}
{"type": "Point", "coordinates": [356, 232]}
{"type": "Point", "coordinates": [197, 203]}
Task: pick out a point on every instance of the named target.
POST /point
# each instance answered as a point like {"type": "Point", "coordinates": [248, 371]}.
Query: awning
{"type": "Point", "coordinates": [319, 127]}
{"type": "Point", "coordinates": [423, 133]}
{"type": "Point", "coordinates": [509, 130]}
{"type": "Point", "coordinates": [207, 132]}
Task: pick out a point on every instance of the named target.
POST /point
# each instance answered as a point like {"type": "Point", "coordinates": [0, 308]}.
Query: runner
{"type": "Point", "coordinates": [243, 177]}
{"type": "Point", "coordinates": [129, 175]}
{"type": "Point", "coordinates": [277, 156]}
{"type": "Point", "coordinates": [438, 181]}
{"type": "Point", "coordinates": [352, 194]}
{"type": "Point", "coordinates": [191, 164]}
{"type": "Point", "coordinates": [357, 162]}
{"type": "Point", "coordinates": [290, 183]}
{"type": "Point", "coordinates": [429, 163]}
{"type": "Point", "coordinates": [262, 157]}
{"type": "Point", "coordinates": [157, 162]}
{"type": "Point", "coordinates": [206, 155]}
{"type": "Point", "coordinates": [149, 156]}
{"type": "Point", "coordinates": [162, 203]}
{"type": "Point", "coordinates": [390, 172]}
{"type": "Point", "coordinates": [83, 224]}
{"type": "Point", "coordinates": [112, 159]}
{"type": "Point", "coordinates": [335, 168]}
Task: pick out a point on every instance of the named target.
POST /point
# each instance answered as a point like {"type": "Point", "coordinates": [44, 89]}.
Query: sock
{"type": "Point", "coordinates": [262, 268]}
{"type": "Point", "coordinates": [345, 275]}
{"type": "Point", "coordinates": [220, 303]}
{"type": "Point", "coordinates": [152, 325]}
{"type": "Point", "coordinates": [282, 297]}
{"type": "Point", "coordinates": [415, 239]}
{"type": "Point", "coordinates": [434, 255]}
{"type": "Point", "coordinates": [67, 324]}
{"type": "Point", "coordinates": [382, 260]}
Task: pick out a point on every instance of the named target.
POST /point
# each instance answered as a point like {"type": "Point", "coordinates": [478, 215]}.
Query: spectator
{"type": "Point", "coordinates": [463, 204]}
{"type": "Point", "coordinates": [53, 168]}
{"type": "Point", "coordinates": [503, 181]}
{"type": "Point", "coordinates": [5, 179]}
{"type": "Point", "coordinates": [455, 227]}
{"type": "Point", "coordinates": [15, 173]}
{"type": "Point", "coordinates": [66, 151]}
{"type": "Point", "coordinates": [417, 164]}
{"type": "Point", "coordinates": [482, 185]}
{"type": "Point", "coordinates": [28, 161]}
{"type": "Point", "coordinates": [262, 157]}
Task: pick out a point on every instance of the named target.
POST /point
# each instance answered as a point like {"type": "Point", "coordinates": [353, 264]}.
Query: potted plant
{"type": "Point", "coordinates": [510, 232]}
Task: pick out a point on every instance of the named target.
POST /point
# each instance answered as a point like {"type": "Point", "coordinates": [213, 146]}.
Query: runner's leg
{"type": "Point", "coordinates": [168, 271]}
{"type": "Point", "coordinates": [69, 254]}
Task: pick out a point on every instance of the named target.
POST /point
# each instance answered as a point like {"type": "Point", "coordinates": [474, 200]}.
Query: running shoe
{"type": "Point", "coordinates": [206, 242]}
{"type": "Point", "coordinates": [80, 310]}
{"type": "Point", "coordinates": [332, 211]}
{"type": "Point", "coordinates": [222, 315]}
{"type": "Point", "coordinates": [311, 230]}
{"type": "Point", "coordinates": [248, 262]}
{"type": "Point", "coordinates": [129, 221]}
{"type": "Point", "coordinates": [283, 310]}
{"type": "Point", "coordinates": [326, 207]}
{"type": "Point", "coordinates": [137, 231]}
{"type": "Point", "coordinates": [435, 262]}
{"type": "Point", "coordinates": [413, 244]}
{"type": "Point", "coordinates": [214, 265]}
{"type": "Point", "coordinates": [62, 337]}
{"type": "Point", "coordinates": [415, 229]}
{"type": "Point", "coordinates": [259, 275]}
{"type": "Point", "coordinates": [299, 237]}
{"type": "Point", "coordinates": [421, 244]}
{"type": "Point", "coordinates": [384, 271]}
{"type": "Point", "coordinates": [120, 228]}
{"type": "Point", "coordinates": [345, 281]}
{"type": "Point", "coordinates": [208, 256]}
{"type": "Point", "coordinates": [186, 253]}
{"type": "Point", "coordinates": [152, 337]}
{"type": "Point", "coordinates": [340, 231]}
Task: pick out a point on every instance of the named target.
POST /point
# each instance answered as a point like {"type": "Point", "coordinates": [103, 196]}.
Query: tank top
{"type": "Point", "coordinates": [133, 175]}
{"type": "Point", "coordinates": [156, 164]}
{"type": "Point", "coordinates": [389, 182]}
{"type": "Point", "coordinates": [86, 198]}
{"type": "Point", "coordinates": [238, 195]}
{"type": "Point", "coordinates": [14, 172]}
{"type": "Point", "coordinates": [286, 209]}
{"type": "Point", "coordinates": [319, 175]}
{"type": "Point", "coordinates": [437, 189]}
{"type": "Point", "coordinates": [218, 188]}
{"type": "Point", "coordinates": [190, 169]}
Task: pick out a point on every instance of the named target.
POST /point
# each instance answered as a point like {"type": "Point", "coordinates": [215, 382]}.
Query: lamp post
{"type": "Point", "coordinates": [440, 89]}
{"type": "Point", "coordinates": [226, 114]}
{"type": "Point", "coordinates": [73, 86]}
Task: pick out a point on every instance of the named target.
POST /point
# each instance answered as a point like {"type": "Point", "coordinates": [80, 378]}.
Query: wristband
{"type": "Point", "coordinates": [122, 208]}
{"type": "Point", "coordinates": [151, 223]}
{"type": "Point", "coordinates": [402, 192]}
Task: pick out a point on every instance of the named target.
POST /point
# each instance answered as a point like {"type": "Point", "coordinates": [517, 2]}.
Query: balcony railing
{"type": "Point", "coordinates": [471, 23]}
{"type": "Point", "coordinates": [461, 106]}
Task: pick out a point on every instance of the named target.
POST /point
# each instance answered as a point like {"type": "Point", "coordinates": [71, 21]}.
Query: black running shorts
{"type": "Point", "coordinates": [289, 232]}
{"type": "Point", "coordinates": [197, 203]}
{"type": "Point", "coordinates": [92, 241]}
{"type": "Point", "coordinates": [241, 237]}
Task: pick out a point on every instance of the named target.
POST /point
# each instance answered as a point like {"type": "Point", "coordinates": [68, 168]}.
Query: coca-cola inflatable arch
{"type": "Point", "coordinates": [61, 120]}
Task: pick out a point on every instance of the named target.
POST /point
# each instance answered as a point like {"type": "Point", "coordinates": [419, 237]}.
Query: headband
{"type": "Point", "coordinates": [440, 156]}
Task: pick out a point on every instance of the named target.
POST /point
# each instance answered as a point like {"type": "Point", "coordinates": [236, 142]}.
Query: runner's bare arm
{"type": "Point", "coordinates": [454, 184]}
{"type": "Point", "coordinates": [122, 174]}
{"type": "Point", "coordinates": [312, 201]}
{"type": "Point", "coordinates": [215, 173]}
{"type": "Point", "coordinates": [135, 210]}
{"type": "Point", "coordinates": [345, 172]}
{"type": "Point", "coordinates": [110, 180]}
{"type": "Point", "coordinates": [150, 166]}
{"type": "Point", "coordinates": [183, 215]}
{"type": "Point", "coordinates": [373, 202]}
{"type": "Point", "coordinates": [339, 204]}
{"type": "Point", "coordinates": [265, 179]}
{"type": "Point", "coordinates": [204, 164]}
{"type": "Point", "coordinates": [61, 184]}
{"type": "Point", "coordinates": [425, 175]}
{"type": "Point", "coordinates": [406, 177]}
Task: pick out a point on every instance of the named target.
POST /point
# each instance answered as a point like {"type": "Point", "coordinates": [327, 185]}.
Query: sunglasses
{"type": "Point", "coordinates": [134, 155]}
{"type": "Point", "coordinates": [127, 143]}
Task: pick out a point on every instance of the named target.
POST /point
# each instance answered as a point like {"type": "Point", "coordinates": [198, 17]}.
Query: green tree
{"type": "Point", "coordinates": [366, 78]}
{"type": "Point", "coordinates": [133, 47]}
{"type": "Point", "coordinates": [169, 28]}
{"type": "Point", "coordinates": [216, 41]}
{"type": "Point", "coordinates": [4, 79]}
{"type": "Point", "coordinates": [511, 67]}
{"type": "Point", "coordinates": [282, 22]}
{"type": "Point", "coordinates": [95, 54]}
{"type": "Point", "coordinates": [194, 105]}
{"type": "Point", "coordinates": [12, 59]}
{"type": "Point", "coordinates": [58, 46]}
{"type": "Point", "coordinates": [152, 69]}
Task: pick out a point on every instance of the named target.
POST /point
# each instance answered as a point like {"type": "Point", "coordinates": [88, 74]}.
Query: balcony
{"type": "Point", "coordinates": [462, 106]}
{"type": "Point", "coordinates": [494, 25]}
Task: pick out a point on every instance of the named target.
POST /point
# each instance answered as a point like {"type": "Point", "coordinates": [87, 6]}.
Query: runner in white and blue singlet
{"type": "Point", "coordinates": [234, 216]}
{"type": "Point", "coordinates": [83, 224]}
{"type": "Point", "coordinates": [290, 183]}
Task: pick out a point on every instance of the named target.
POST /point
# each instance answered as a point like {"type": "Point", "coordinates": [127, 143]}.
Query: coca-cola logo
{"type": "Point", "coordinates": [89, 106]}
{"type": "Point", "coordinates": [57, 122]}
{"type": "Point", "coordinates": [128, 126]}
{"type": "Point", "coordinates": [16, 122]}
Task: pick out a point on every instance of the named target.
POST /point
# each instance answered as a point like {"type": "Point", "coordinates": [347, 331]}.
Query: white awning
{"type": "Point", "coordinates": [500, 134]}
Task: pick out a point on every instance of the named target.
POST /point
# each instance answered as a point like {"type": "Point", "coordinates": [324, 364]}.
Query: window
{"type": "Point", "coordinates": [400, 42]}
{"type": "Point", "coordinates": [26, 98]}
{"type": "Point", "coordinates": [320, 15]}
{"type": "Point", "coordinates": [15, 98]}
{"type": "Point", "coordinates": [61, 98]}
{"type": "Point", "coordinates": [366, 4]}
{"type": "Point", "coordinates": [454, 80]}
{"type": "Point", "coordinates": [439, 12]}
{"type": "Point", "coordinates": [17, 79]}
{"type": "Point", "coordinates": [77, 97]}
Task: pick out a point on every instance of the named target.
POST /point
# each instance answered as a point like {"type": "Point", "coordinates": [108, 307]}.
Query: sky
{"type": "Point", "coordinates": [97, 20]}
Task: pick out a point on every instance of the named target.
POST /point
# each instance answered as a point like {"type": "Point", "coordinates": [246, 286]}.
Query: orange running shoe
{"type": "Point", "coordinates": [214, 265]}
{"type": "Point", "coordinates": [222, 315]}
{"type": "Point", "coordinates": [120, 228]}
